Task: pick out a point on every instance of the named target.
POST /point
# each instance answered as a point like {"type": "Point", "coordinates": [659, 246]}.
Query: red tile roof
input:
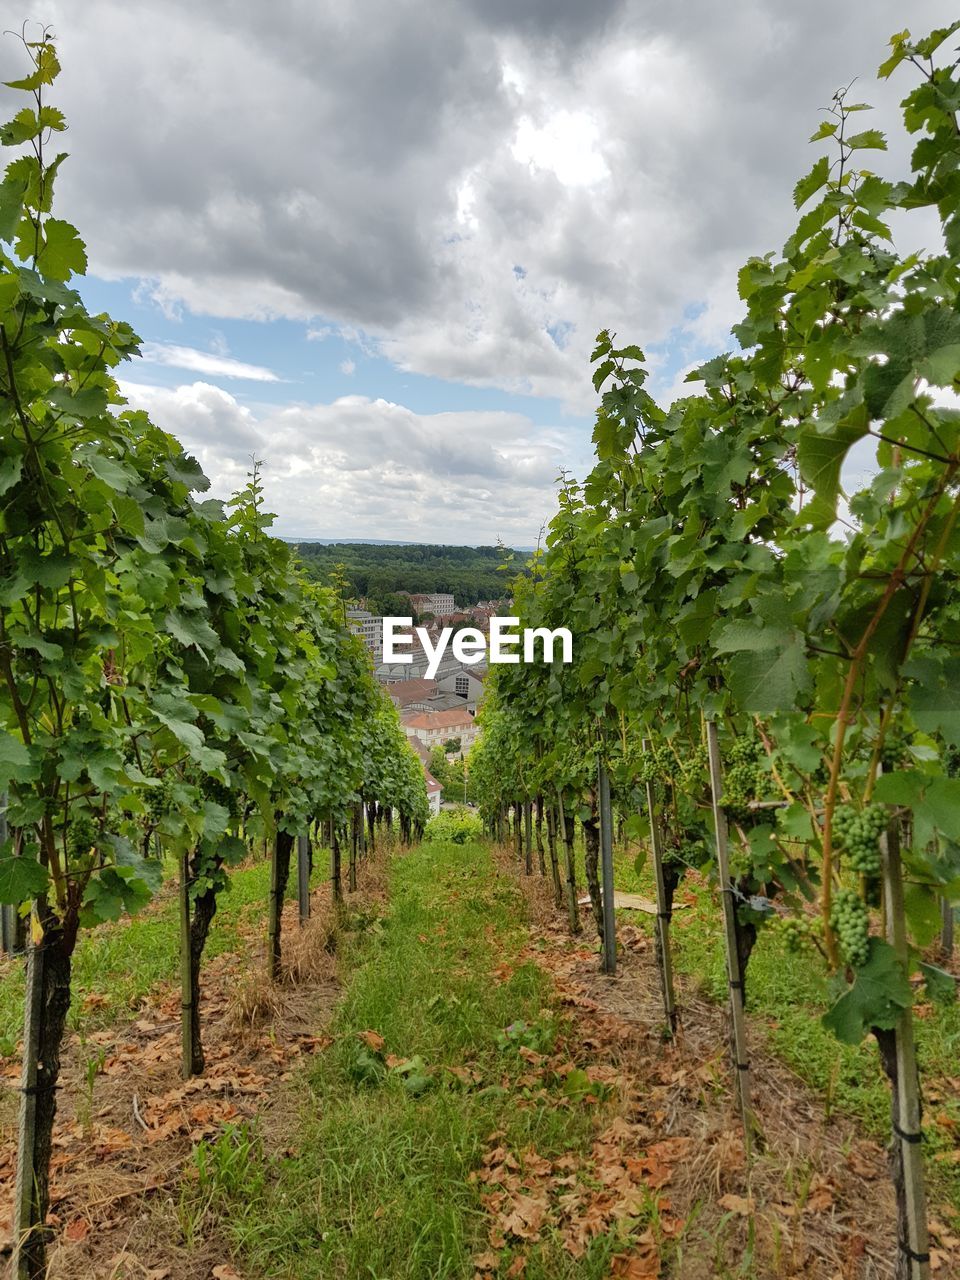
{"type": "Point", "coordinates": [412, 691]}
{"type": "Point", "coordinates": [438, 719]}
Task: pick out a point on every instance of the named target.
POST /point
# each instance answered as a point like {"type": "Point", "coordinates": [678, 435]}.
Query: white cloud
{"type": "Point", "coordinates": [348, 367]}
{"type": "Point", "coordinates": [358, 467]}
{"type": "Point", "coordinates": [566, 144]}
{"type": "Point", "coordinates": [205, 362]}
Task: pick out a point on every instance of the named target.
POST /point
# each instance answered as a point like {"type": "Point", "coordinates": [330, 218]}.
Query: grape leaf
{"type": "Point", "coordinates": [63, 251]}
{"type": "Point", "coordinates": [877, 997]}
{"type": "Point", "coordinates": [21, 879]}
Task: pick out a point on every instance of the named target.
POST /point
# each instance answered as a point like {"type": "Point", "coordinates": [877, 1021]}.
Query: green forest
{"type": "Point", "coordinates": [377, 572]}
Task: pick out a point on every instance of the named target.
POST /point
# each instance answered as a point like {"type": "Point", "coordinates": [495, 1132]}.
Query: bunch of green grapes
{"type": "Point", "coordinates": [858, 834]}
{"type": "Point", "coordinates": [744, 778]}
{"type": "Point", "coordinates": [850, 921]}
{"type": "Point", "coordinates": [159, 800]}
{"type": "Point", "coordinates": [223, 794]}
{"type": "Point", "coordinates": [799, 932]}
{"type": "Point", "coordinates": [82, 836]}
{"type": "Point", "coordinates": [697, 763]}
{"type": "Point", "coordinates": [656, 763]}
{"type": "Point", "coordinates": [894, 752]}
{"type": "Point", "coordinates": [685, 853]}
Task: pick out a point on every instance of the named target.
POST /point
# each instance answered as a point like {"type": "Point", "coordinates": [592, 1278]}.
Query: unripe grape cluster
{"type": "Point", "coordinates": [222, 794]}
{"type": "Point", "coordinates": [894, 752]}
{"type": "Point", "coordinates": [83, 835]}
{"type": "Point", "coordinates": [685, 854]}
{"type": "Point", "coordinates": [697, 762]}
{"type": "Point", "coordinates": [159, 800]}
{"type": "Point", "coordinates": [798, 932]}
{"type": "Point", "coordinates": [744, 777]}
{"type": "Point", "coordinates": [850, 920]}
{"type": "Point", "coordinates": [656, 763]}
{"type": "Point", "coordinates": [858, 834]}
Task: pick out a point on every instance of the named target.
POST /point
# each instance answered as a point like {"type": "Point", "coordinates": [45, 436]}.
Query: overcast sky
{"type": "Point", "coordinates": [372, 241]}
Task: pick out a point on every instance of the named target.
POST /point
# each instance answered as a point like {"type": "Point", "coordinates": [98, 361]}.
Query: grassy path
{"type": "Point", "coordinates": [432, 1058]}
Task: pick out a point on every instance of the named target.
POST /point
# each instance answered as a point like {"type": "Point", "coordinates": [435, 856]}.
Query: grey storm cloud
{"type": "Point", "coordinates": [387, 167]}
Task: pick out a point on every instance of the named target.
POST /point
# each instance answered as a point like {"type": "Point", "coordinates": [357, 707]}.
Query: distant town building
{"type": "Point", "coordinates": [369, 627]}
{"type": "Point", "coordinates": [412, 695]}
{"type": "Point", "coordinates": [436, 727]}
{"type": "Point", "coordinates": [439, 603]}
{"type": "Point", "coordinates": [434, 792]}
{"type": "Point", "coordinates": [434, 788]}
{"type": "Point", "coordinates": [463, 684]}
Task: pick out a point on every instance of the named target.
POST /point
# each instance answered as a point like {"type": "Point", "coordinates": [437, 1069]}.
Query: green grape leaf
{"type": "Point", "coordinates": [868, 140]}
{"type": "Point", "coordinates": [879, 994]}
{"type": "Point", "coordinates": [941, 986]}
{"type": "Point", "coordinates": [21, 879]}
{"type": "Point", "coordinates": [63, 253]}
{"type": "Point", "coordinates": [818, 177]}
{"type": "Point", "coordinates": [13, 189]}
{"type": "Point", "coordinates": [922, 911]}
{"type": "Point", "coordinates": [768, 669]}
{"type": "Point", "coordinates": [14, 760]}
{"type": "Point", "coordinates": [821, 456]}
{"type": "Point", "coordinates": [46, 69]}
{"type": "Point", "coordinates": [11, 470]}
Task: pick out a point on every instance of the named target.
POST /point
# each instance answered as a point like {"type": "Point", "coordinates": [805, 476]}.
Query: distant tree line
{"type": "Point", "coordinates": [377, 573]}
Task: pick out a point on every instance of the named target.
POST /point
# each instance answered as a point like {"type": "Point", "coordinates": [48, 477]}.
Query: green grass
{"type": "Point", "coordinates": [379, 1185]}
{"type": "Point", "coordinates": [123, 962]}
{"type": "Point", "coordinates": [786, 996]}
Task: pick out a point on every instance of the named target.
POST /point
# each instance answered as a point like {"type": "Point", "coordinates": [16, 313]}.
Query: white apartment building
{"type": "Point", "coordinates": [370, 628]}
{"type": "Point", "coordinates": [441, 605]}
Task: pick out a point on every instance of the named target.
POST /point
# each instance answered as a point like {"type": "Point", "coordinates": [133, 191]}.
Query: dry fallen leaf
{"type": "Point", "coordinates": [821, 1195]}
{"type": "Point", "coordinates": [737, 1204]}
{"type": "Point", "coordinates": [225, 1272]}
{"type": "Point", "coordinates": [77, 1229]}
{"type": "Point", "coordinates": [641, 1263]}
{"type": "Point", "coordinates": [372, 1039]}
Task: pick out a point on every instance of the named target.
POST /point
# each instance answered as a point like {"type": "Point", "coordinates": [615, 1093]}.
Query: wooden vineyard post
{"type": "Point", "coordinates": [551, 818]}
{"type": "Point", "coordinates": [664, 954]}
{"type": "Point", "coordinates": [741, 1062]}
{"type": "Point", "coordinates": [188, 1013]}
{"type": "Point", "coordinates": [352, 863]}
{"type": "Point", "coordinates": [528, 836]}
{"type": "Point", "coordinates": [914, 1260]}
{"type": "Point", "coordinates": [8, 914]}
{"type": "Point", "coordinates": [279, 871]}
{"type": "Point", "coordinates": [573, 909]}
{"type": "Point", "coordinates": [946, 930]}
{"type": "Point", "coordinates": [361, 833]}
{"type": "Point", "coordinates": [609, 964]}
{"type": "Point", "coordinates": [538, 829]}
{"type": "Point", "coordinates": [25, 1212]}
{"type": "Point", "coordinates": [303, 877]}
{"type": "Point", "coordinates": [336, 881]}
